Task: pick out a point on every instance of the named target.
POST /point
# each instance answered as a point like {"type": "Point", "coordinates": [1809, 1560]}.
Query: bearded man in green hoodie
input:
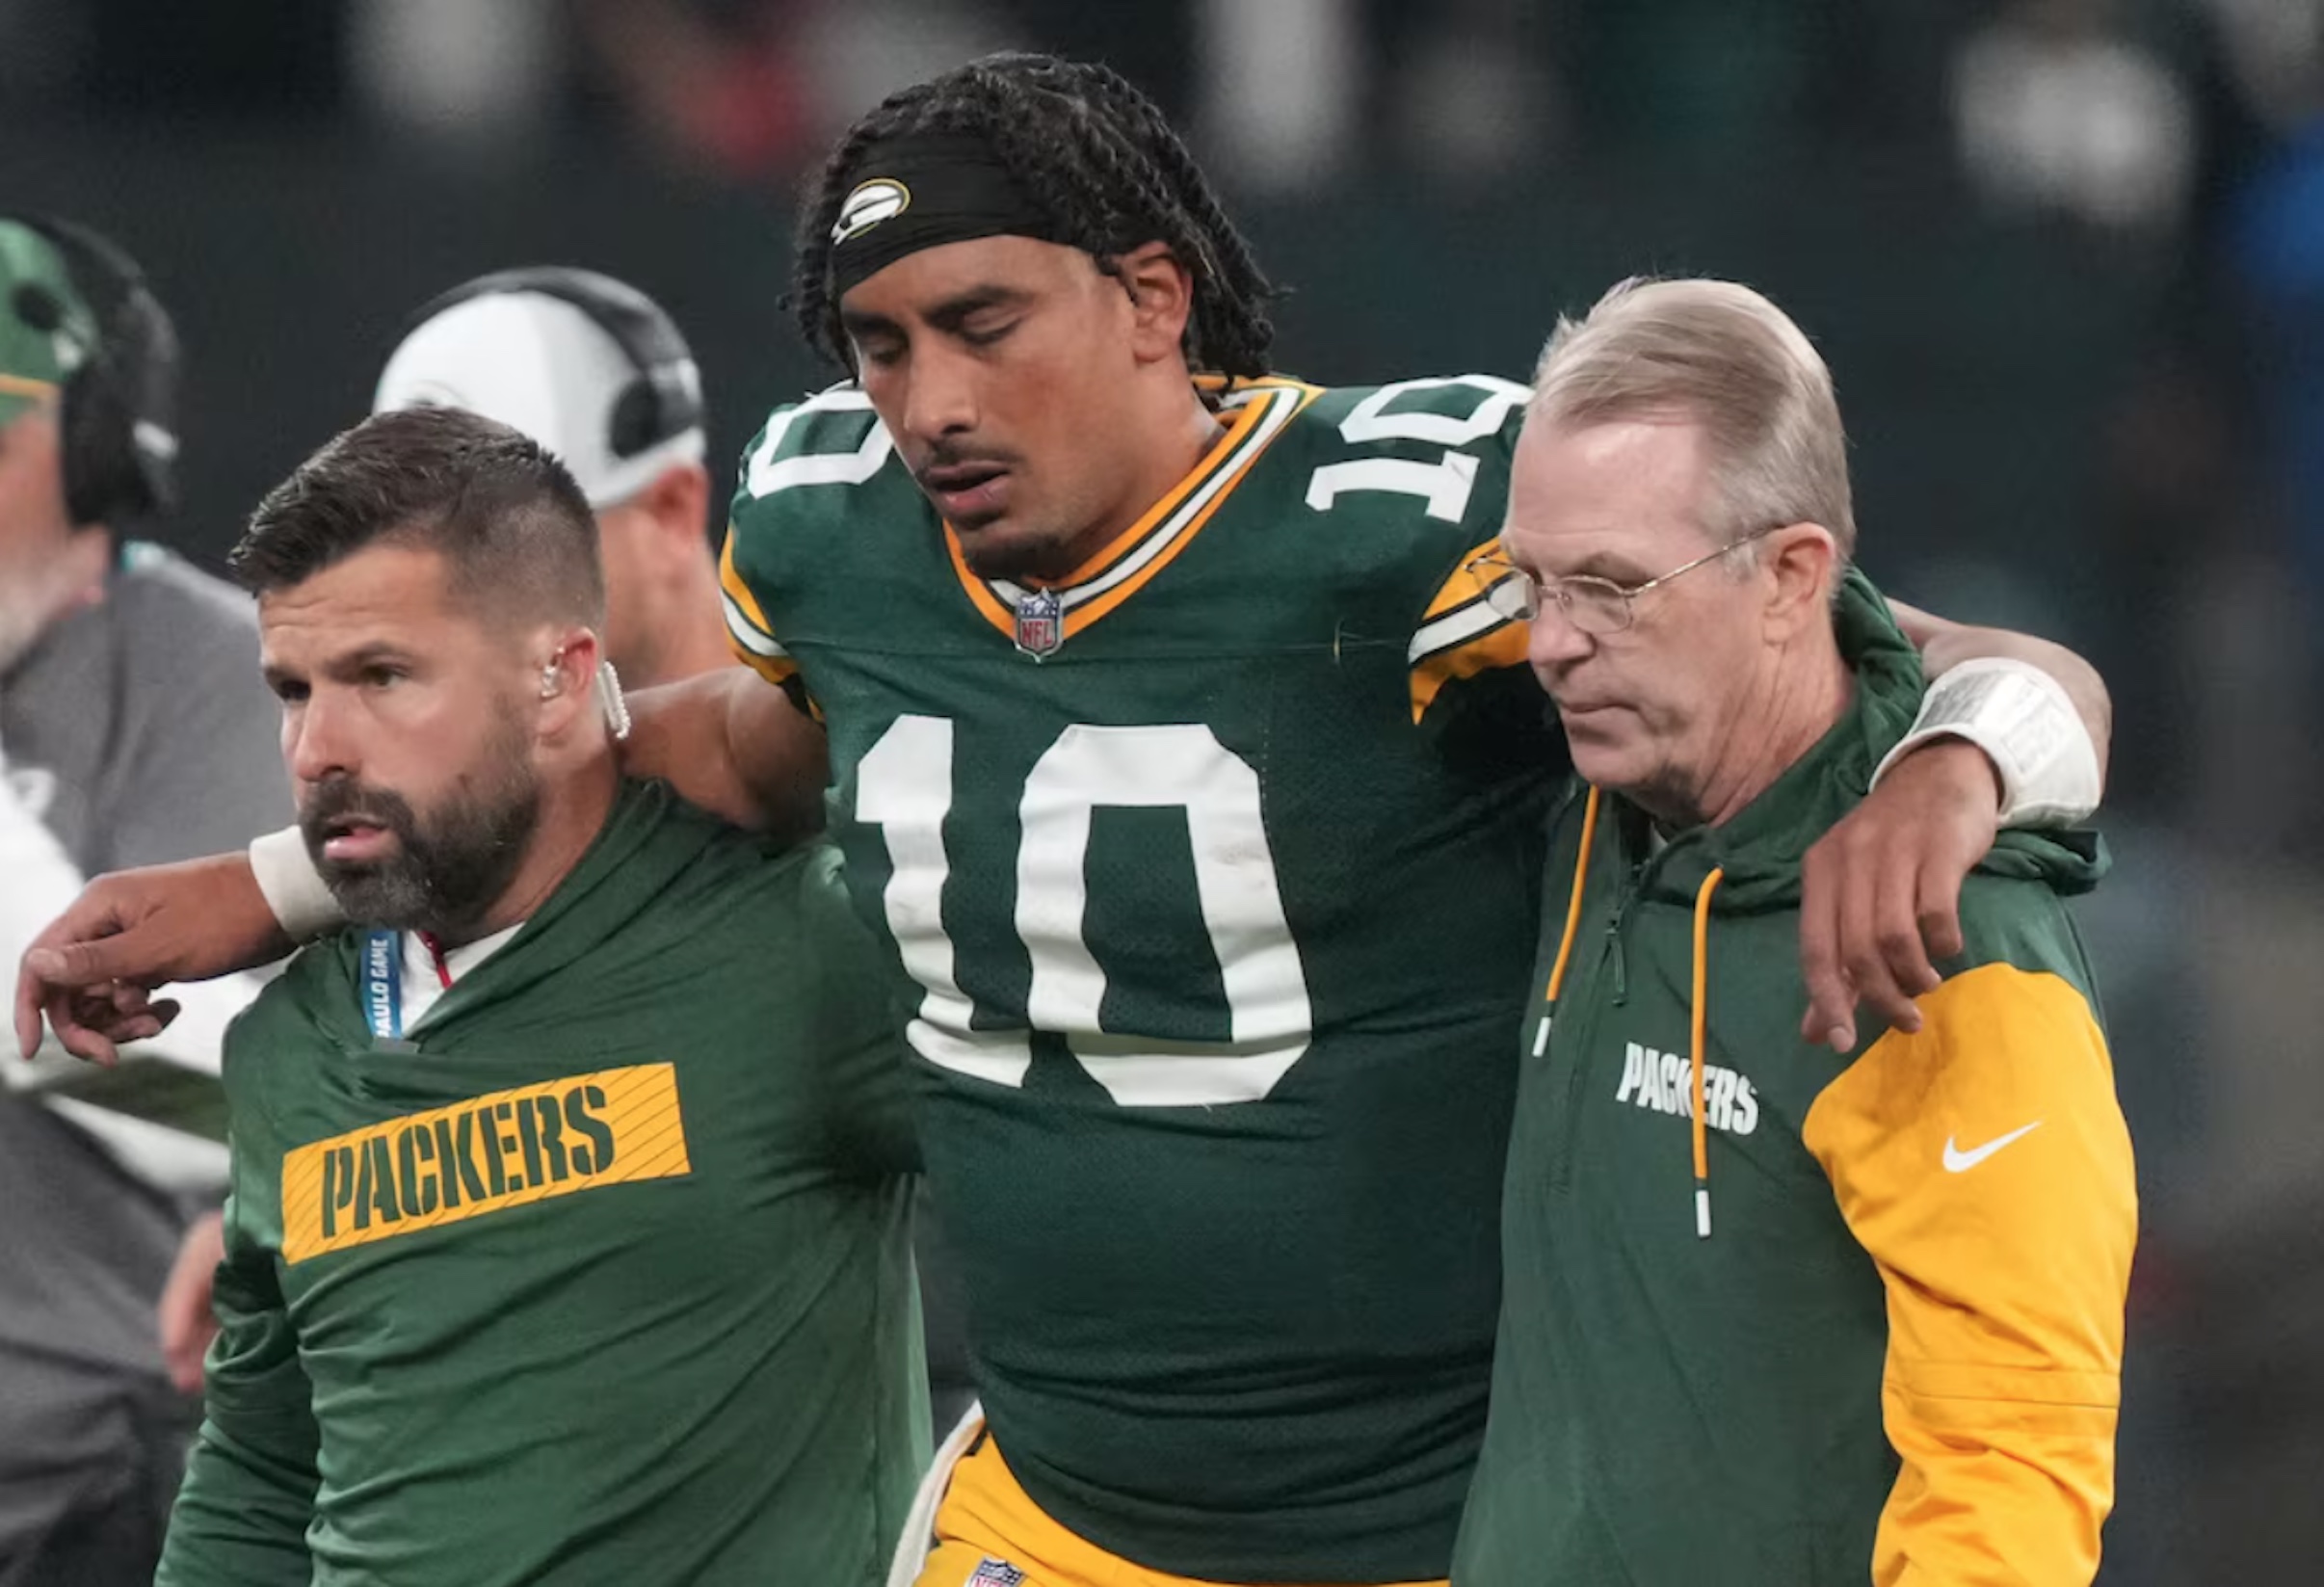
{"type": "Point", "coordinates": [568, 1237]}
{"type": "Point", "coordinates": [1772, 1315]}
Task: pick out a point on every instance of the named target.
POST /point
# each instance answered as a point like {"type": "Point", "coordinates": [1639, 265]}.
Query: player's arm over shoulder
{"type": "Point", "coordinates": [730, 745]}
{"type": "Point", "coordinates": [1984, 1164]}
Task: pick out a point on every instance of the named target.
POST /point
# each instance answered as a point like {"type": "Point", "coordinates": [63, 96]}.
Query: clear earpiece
{"type": "Point", "coordinates": [609, 696]}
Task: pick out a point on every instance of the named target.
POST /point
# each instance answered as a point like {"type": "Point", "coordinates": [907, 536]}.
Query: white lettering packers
{"type": "Point", "coordinates": [1664, 1081]}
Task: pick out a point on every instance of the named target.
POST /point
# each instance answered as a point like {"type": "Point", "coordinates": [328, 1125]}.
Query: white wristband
{"type": "Point", "coordinates": [2023, 720]}
{"type": "Point", "coordinates": [294, 889]}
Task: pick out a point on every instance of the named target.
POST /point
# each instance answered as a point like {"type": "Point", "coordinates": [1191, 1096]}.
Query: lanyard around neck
{"type": "Point", "coordinates": [383, 984]}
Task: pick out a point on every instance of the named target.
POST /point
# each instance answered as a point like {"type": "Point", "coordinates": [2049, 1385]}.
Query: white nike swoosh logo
{"type": "Point", "coordinates": [1958, 1161]}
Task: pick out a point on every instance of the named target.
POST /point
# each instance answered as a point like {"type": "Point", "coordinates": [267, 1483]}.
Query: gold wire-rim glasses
{"type": "Point", "coordinates": [1593, 605]}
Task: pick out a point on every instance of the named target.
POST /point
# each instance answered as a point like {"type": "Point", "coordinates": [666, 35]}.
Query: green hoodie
{"type": "Point", "coordinates": [1880, 1340]}
{"type": "Point", "coordinates": [601, 1276]}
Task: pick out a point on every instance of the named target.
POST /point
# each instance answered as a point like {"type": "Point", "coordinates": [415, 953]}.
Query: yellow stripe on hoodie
{"type": "Point", "coordinates": [1984, 1164]}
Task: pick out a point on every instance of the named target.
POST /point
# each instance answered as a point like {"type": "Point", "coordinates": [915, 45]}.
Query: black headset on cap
{"type": "Point", "coordinates": [117, 411]}
{"type": "Point", "coordinates": [663, 402]}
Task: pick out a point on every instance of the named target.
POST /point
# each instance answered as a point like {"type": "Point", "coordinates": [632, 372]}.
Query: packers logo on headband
{"type": "Point", "coordinates": [881, 198]}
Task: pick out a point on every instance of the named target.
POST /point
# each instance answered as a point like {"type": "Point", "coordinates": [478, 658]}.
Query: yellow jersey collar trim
{"type": "Point", "coordinates": [1262, 410]}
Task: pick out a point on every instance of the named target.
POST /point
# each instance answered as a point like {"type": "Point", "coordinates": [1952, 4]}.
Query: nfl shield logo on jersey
{"type": "Point", "coordinates": [995, 1572]}
{"type": "Point", "coordinates": [1040, 623]}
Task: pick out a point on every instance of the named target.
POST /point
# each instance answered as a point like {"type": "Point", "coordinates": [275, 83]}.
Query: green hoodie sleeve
{"type": "Point", "coordinates": [242, 1514]}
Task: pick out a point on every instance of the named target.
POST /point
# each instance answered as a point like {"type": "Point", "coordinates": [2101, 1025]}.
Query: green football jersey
{"type": "Point", "coordinates": [1215, 869]}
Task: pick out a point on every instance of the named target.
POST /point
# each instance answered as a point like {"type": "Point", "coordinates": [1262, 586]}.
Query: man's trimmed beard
{"type": "Point", "coordinates": [445, 872]}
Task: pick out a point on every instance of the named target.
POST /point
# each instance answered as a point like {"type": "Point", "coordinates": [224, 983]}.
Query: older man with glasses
{"type": "Point", "coordinates": [1894, 1352]}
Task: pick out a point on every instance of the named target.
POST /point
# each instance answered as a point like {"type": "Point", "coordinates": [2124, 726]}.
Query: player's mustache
{"type": "Point", "coordinates": [342, 798]}
{"type": "Point", "coordinates": [959, 457]}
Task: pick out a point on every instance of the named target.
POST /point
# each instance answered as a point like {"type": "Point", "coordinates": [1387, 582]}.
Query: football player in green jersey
{"type": "Point", "coordinates": [1196, 785]}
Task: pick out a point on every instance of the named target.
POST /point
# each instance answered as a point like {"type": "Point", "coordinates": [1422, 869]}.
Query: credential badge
{"type": "Point", "coordinates": [1040, 623]}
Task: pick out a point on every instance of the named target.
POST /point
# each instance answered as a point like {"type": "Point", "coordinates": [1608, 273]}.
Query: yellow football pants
{"type": "Point", "coordinates": [988, 1524]}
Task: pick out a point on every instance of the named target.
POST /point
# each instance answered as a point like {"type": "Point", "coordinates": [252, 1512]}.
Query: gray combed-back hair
{"type": "Point", "coordinates": [1724, 357]}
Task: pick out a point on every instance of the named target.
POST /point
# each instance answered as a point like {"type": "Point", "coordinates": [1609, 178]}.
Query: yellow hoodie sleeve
{"type": "Point", "coordinates": [1985, 1166]}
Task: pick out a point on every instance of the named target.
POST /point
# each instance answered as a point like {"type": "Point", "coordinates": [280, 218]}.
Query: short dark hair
{"type": "Point", "coordinates": [1096, 157]}
{"type": "Point", "coordinates": [507, 517]}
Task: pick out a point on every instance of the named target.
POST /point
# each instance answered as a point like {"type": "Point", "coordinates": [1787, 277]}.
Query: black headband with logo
{"type": "Point", "coordinates": [922, 190]}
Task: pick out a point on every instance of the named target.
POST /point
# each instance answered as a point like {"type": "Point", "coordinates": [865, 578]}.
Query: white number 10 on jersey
{"type": "Point", "coordinates": [904, 785]}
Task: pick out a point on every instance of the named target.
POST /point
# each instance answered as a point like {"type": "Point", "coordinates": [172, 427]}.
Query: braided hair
{"type": "Point", "coordinates": [1096, 156]}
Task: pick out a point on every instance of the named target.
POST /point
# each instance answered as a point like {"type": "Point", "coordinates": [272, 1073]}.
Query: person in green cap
{"type": "Point", "coordinates": [133, 731]}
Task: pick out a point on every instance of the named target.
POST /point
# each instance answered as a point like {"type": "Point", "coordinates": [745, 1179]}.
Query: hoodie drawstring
{"type": "Point", "coordinates": [1701, 1010]}
{"type": "Point", "coordinates": [1700, 1002]}
{"type": "Point", "coordinates": [1573, 911]}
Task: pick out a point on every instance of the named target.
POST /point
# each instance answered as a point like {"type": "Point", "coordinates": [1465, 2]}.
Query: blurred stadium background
{"type": "Point", "coordinates": [2066, 257]}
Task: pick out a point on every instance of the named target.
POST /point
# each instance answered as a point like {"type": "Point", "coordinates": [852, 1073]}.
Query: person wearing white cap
{"type": "Point", "coordinates": [594, 371]}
